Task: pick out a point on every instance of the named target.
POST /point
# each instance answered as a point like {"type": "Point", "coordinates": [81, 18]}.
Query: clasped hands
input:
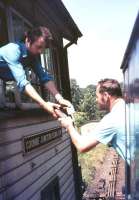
{"type": "Point", "coordinates": [60, 111]}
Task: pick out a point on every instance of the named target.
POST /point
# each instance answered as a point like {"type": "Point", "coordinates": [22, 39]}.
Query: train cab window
{"type": "Point", "coordinates": [20, 25]}
{"type": "Point", "coordinates": [12, 97]}
{"type": "Point", "coordinates": [47, 60]}
{"type": "Point", "coordinates": [51, 192]}
{"type": "Point", "coordinates": [16, 26]}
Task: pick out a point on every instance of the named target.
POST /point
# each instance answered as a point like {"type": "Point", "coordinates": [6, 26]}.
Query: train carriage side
{"type": "Point", "coordinates": [130, 66]}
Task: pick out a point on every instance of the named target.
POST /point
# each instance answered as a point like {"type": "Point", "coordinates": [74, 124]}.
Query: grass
{"type": "Point", "coordinates": [91, 161]}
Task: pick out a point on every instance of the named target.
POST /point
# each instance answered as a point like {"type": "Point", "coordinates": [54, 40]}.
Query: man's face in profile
{"type": "Point", "coordinates": [37, 47]}
{"type": "Point", "coordinates": [102, 99]}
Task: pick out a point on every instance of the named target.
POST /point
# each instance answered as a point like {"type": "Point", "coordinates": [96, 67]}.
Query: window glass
{"type": "Point", "coordinates": [19, 27]}
{"type": "Point", "coordinates": [47, 64]}
{"type": "Point", "coordinates": [51, 192]}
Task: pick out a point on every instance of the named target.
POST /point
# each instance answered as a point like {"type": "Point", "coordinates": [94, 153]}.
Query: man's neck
{"type": "Point", "coordinates": [114, 101]}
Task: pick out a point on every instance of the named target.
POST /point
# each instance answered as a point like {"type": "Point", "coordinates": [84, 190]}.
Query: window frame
{"type": "Point", "coordinates": [48, 96]}
{"type": "Point", "coordinates": [3, 102]}
{"type": "Point", "coordinates": [18, 103]}
{"type": "Point", "coordinates": [57, 68]}
{"type": "Point", "coordinates": [11, 11]}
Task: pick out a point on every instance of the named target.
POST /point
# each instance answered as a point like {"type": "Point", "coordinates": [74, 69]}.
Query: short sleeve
{"type": "Point", "coordinates": [11, 54]}
{"type": "Point", "coordinates": [105, 131]}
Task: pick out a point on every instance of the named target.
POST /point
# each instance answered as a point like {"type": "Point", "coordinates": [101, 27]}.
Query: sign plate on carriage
{"type": "Point", "coordinates": [37, 140]}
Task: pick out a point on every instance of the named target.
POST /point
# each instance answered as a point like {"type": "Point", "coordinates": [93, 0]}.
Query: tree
{"type": "Point", "coordinates": [88, 103]}
{"type": "Point", "coordinates": [80, 118]}
{"type": "Point", "coordinates": [76, 94]}
{"type": "Point", "coordinates": [84, 101]}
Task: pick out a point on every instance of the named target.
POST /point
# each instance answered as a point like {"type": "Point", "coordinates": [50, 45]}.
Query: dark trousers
{"type": "Point", "coordinates": [5, 72]}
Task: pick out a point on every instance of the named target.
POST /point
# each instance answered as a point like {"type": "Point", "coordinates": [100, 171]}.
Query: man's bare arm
{"type": "Point", "coordinates": [50, 85]}
{"type": "Point", "coordinates": [82, 142]}
{"type": "Point", "coordinates": [48, 106]}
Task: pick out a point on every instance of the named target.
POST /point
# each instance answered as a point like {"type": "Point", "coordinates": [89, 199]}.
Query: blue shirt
{"type": "Point", "coordinates": [111, 129]}
{"type": "Point", "coordinates": [15, 56]}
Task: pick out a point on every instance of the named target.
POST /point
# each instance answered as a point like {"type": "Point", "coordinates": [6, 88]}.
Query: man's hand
{"type": "Point", "coordinates": [67, 107]}
{"type": "Point", "coordinates": [66, 122]}
{"type": "Point", "coordinates": [50, 107]}
{"type": "Point", "coordinates": [64, 102]}
{"type": "Point", "coordinates": [60, 114]}
{"type": "Point", "coordinates": [64, 119]}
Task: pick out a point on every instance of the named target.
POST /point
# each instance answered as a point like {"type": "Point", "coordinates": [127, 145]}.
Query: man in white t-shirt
{"type": "Point", "coordinates": [111, 128]}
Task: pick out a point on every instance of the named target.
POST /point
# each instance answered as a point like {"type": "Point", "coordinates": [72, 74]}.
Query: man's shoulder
{"type": "Point", "coordinates": [107, 118]}
{"type": "Point", "coordinates": [119, 107]}
{"type": "Point", "coordinates": [116, 115]}
{"type": "Point", "coordinates": [10, 47]}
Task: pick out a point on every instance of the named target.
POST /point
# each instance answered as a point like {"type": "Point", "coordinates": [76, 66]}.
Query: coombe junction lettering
{"type": "Point", "coordinates": [36, 140]}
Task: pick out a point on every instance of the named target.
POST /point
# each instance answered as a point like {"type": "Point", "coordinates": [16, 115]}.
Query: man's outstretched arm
{"type": "Point", "coordinates": [82, 142]}
{"type": "Point", "coordinates": [50, 85]}
{"type": "Point", "coordinates": [48, 106]}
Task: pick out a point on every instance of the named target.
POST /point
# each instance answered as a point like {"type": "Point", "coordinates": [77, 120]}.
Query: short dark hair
{"type": "Point", "coordinates": [111, 86]}
{"type": "Point", "coordinates": [37, 32]}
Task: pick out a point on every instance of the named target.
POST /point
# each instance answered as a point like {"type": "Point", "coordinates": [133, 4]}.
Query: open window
{"type": "Point", "coordinates": [48, 63]}
{"type": "Point", "coordinates": [17, 25]}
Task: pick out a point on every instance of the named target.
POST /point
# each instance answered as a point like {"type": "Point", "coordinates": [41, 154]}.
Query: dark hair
{"type": "Point", "coordinates": [37, 32]}
{"type": "Point", "coordinates": [111, 86]}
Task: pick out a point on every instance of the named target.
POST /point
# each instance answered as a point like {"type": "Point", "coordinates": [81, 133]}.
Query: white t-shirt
{"type": "Point", "coordinates": [111, 129]}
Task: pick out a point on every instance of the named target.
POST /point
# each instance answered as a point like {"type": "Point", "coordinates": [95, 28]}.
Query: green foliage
{"type": "Point", "coordinates": [76, 94]}
{"type": "Point", "coordinates": [84, 101]}
{"type": "Point", "coordinates": [88, 103]}
{"type": "Point", "coordinates": [80, 118]}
